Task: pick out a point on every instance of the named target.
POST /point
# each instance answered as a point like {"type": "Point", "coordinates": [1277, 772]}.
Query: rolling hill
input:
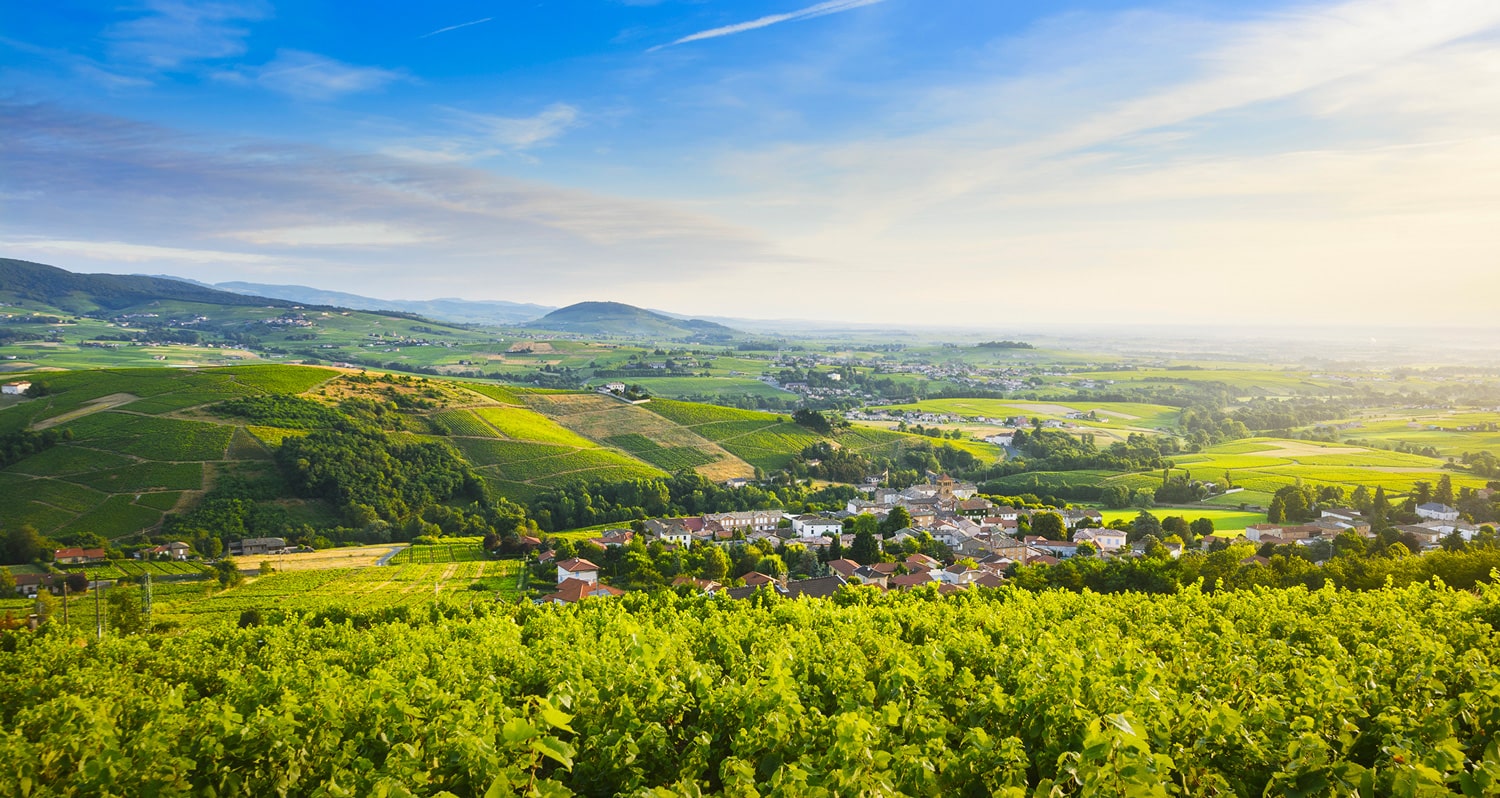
{"type": "Point", "coordinates": [88, 293]}
{"type": "Point", "coordinates": [615, 318]}
{"type": "Point", "coordinates": [460, 311]}
{"type": "Point", "coordinates": [135, 444]}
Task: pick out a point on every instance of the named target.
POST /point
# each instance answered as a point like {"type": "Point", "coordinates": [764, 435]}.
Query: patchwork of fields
{"type": "Point", "coordinates": [1263, 465]}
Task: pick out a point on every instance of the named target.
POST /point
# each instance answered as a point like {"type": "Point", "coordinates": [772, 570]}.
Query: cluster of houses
{"type": "Point", "coordinates": [15, 388]}
{"type": "Point", "coordinates": [1438, 522]}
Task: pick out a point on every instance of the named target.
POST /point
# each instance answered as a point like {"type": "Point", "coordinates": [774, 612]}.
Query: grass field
{"type": "Point", "coordinates": [1110, 415]}
{"type": "Point", "coordinates": [1223, 519]}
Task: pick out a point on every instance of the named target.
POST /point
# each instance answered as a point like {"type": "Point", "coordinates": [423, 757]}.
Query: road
{"type": "Point", "coordinates": [385, 559]}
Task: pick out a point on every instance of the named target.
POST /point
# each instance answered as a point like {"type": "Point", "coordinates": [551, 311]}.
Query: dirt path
{"type": "Point", "coordinates": [102, 403]}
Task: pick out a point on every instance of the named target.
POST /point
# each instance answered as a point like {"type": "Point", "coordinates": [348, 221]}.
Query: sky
{"type": "Point", "coordinates": [968, 163]}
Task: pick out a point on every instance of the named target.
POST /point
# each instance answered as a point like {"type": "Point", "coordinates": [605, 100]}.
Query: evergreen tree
{"type": "Point", "coordinates": [865, 551]}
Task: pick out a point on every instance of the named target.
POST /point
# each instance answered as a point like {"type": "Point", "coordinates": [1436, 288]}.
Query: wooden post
{"type": "Point", "coordinates": [98, 615]}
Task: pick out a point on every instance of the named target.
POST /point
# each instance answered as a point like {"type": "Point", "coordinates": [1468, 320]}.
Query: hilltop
{"type": "Point", "coordinates": [616, 318]}
{"type": "Point", "coordinates": [460, 311]}
{"type": "Point", "coordinates": [89, 293]}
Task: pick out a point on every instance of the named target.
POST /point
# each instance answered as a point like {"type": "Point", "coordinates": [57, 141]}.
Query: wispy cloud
{"type": "Point", "coordinates": [456, 27]}
{"type": "Point", "coordinates": [313, 77]}
{"type": "Point", "coordinates": [488, 135]}
{"type": "Point", "coordinates": [105, 185]}
{"type": "Point", "coordinates": [819, 10]}
{"type": "Point", "coordinates": [173, 33]}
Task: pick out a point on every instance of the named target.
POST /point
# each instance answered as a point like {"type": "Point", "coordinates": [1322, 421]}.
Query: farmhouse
{"type": "Point", "coordinates": [15, 388]}
{"type": "Point", "coordinates": [1433, 511]}
{"type": "Point", "coordinates": [29, 585]}
{"type": "Point", "coordinates": [816, 526]}
{"type": "Point", "coordinates": [176, 550]}
{"type": "Point", "coordinates": [1103, 538]}
{"type": "Point", "coordinates": [76, 556]}
{"type": "Point", "coordinates": [578, 569]}
{"type": "Point", "coordinates": [572, 591]}
{"type": "Point", "coordinates": [250, 547]}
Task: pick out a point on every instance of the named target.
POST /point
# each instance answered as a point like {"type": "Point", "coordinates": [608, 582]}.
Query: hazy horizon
{"type": "Point", "coordinates": [1298, 165]}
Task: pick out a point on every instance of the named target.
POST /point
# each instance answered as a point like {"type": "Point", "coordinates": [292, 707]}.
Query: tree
{"type": "Point", "coordinates": [1049, 525]}
{"type": "Point", "coordinates": [865, 550]}
{"type": "Point", "coordinates": [228, 574]}
{"type": "Point", "coordinates": [1202, 528]}
{"type": "Point", "coordinates": [7, 582]}
{"type": "Point", "coordinates": [1444, 492]}
{"type": "Point", "coordinates": [813, 420]}
{"type": "Point", "coordinates": [1087, 549]}
{"type": "Point", "coordinates": [1115, 497]}
{"type": "Point", "coordinates": [1175, 525]}
{"type": "Point", "coordinates": [1145, 525]}
{"type": "Point", "coordinates": [1421, 492]}
{"type": "Point", "coordinates": [22, 545]}
{"type": "Point", "coordinates": [124, 610]}
{"type": "Point", "coordinates": [1361, 498]}
{"type": "Point", "coordinates": [715, 563]}
{"type": "Point", "coordinates": [1276, 513]}
{"type": "Point", "coordinates": [897, 520]}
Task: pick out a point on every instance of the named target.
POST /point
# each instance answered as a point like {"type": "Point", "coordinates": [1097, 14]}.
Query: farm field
{"type": "Point", "coordinates": [345, 557]}
{"type": "Point", "coordinates": [649, 436]}
{"type": "Point", "coordinates": [1451, 433]}
{"type": "Point", "coordinates": [1111, 415]}
{"type": "Point", "coordinates": [1224, 519]}
{"type": "Point", "coordinates": [1261, 466]}
{"type": "Point", "coordinates": [344, 589]}
{"type": "Point", "coordinates": [706, 387]}
{"type": "Point", "coordinates": [1250, 382]}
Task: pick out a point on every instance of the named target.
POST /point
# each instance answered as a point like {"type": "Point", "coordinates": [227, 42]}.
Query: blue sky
{"type": "Point", "coordinates": [978, 163]}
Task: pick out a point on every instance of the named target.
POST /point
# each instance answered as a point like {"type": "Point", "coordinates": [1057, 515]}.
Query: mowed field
{"type": "Point", "coordinates": [1451, 433]}
{"type": "Point", "coordinates": [1263, 465]}
{"type": "Point", "coordinates": [1224, 520]}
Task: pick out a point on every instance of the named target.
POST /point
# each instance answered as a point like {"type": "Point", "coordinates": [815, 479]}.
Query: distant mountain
{"type": "Point", "coordinates": [615, 318]}
{"type": "Point", "coordinates": [450, 310]}
{"type": "Point", "coordinates": [86, 293]}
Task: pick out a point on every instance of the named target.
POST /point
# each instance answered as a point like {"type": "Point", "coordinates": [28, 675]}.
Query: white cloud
{"type": "Point", "coordinates": [311, 76]}
{"type": "Point", "coordinates": [819, 10]}
{"type": "Point", "coordinates": [176, 33]}
{"type": "Point", "coordinates": [336, 235]}
{"type": "Point", "coordinates": [125, 252]}
{"type": "Point", "coordinates": [522, 133]}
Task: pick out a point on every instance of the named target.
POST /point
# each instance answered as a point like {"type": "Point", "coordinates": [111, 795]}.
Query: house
{"type": "Point", "coordinates": [756, 520]}
{"type": "Point", "coordinates": [921, 562]}
{"type": "Point", "coordinates": [960, 574]}
{"type": "Point", "coordinates": [1103, 538]}
{"type": "Point", "coordinates": [756, 579]}
{"type": "Point", "coordinates": [1258, 531]}
{"type": "Point", "coordinates": [613, 538]}
{"type": "Point", "coordinates": [1057, 548]}
{"type": "Point", "coordinates": [704, 585]}
{"type": "Point", "coordinates": [819, 587]}
{"type": "Point", "coordinates": [1433, 511]}
{"type": "Point", "coordinates": [1086, 517]}
{"type": "Point", "coordinates": [670, 531]}
{"type": "Point", "coordinates": [844, 567]}
{"type": "Point", "coordinates": [29, 585]}
{"type": "Point", "coordinates": [908, 581]}
{"type": "Point", "coordinates": [176, 550]}
{"type": "Point", "coordinates": [868, 575]}
{"type": "Point", "coordinates": [253, 546]}
{"type": "Point", "coordinates": [572, 591]}
{"type": "Point", "coordinates": [975, 507]}
{"type": "Point", "coordinates": [15, 388]}
{"type": "Point", "coordinates": [811, 526]}
{"type": "Point", "coordinates": [579, 569]}
{"type": "Point", "coordinates": [77, 556]}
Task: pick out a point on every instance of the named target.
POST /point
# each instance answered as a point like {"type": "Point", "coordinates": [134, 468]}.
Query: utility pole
{"type": "Point", "coordinates": [98, 614]}
{"type": "Point", "coordinates": [65, 602]}
{"type": "Point", "coordinates": [146, 596]}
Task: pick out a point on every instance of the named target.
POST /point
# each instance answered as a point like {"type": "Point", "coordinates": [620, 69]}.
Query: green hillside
{"type": "Point", "coordinates": [618, 319]}
{"type": "Point", "coordinates": [127, 450]}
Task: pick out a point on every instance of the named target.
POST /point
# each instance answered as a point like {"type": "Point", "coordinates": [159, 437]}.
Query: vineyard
{"type": "Point", "coordinates": [1392, 692]}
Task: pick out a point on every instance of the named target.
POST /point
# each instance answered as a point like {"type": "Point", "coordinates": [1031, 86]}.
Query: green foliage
{"type": "Point", "coordinates": [287, 412]}
{"type": "Point", "coordinates": [367, 467]}
{"type": "Point", "coordinates": [1301, 692]}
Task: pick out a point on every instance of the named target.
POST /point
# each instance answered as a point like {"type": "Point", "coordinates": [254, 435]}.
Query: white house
{"type": "Point", "coordinates": [579, 569]}
{"type": "Point", "coordinates": [1104, 539]}
{"type": "Point", "coordinates": [1433, 511]}
{"type": "Point", "coordinates": [15, 388]}
{"type": "Point", "coordinates": [811, 526]}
